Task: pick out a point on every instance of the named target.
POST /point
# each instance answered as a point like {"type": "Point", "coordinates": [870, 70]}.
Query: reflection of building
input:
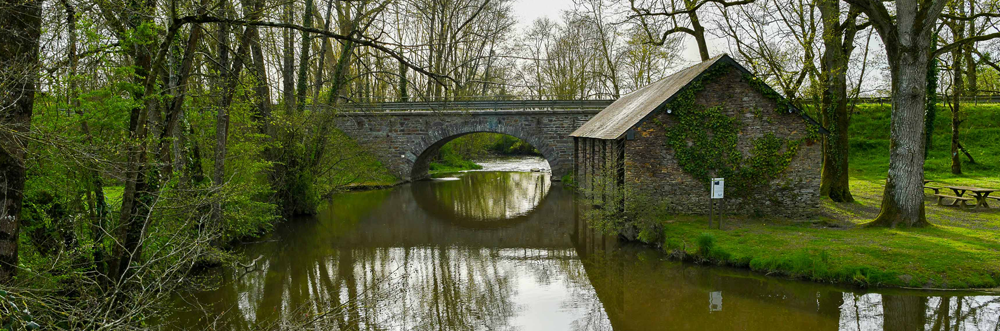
{"type": "Point", "coordinates": [713, 119]}
{"type": "Point", "coordinates": [715, 301]}
{"type": "Point", "coordinates": [644, 293]}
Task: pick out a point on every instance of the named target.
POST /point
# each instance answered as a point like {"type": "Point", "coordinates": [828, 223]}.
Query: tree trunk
{"type": "Point", "coordinates": [404, 95]}
{"type": "Point", "coordinates": [171, 129]}
{"type": "Point", "coordinates": [337, 90]}
{"type": "Point", "coordinates": [838, 44]}
{"type": "Point", "coordinates": [930, 112]}
{"type": "Point", "coordinates": [957, 91]}
{"type": "Point", "coordinates": [318, 86]}
{"type": "Point", "coordinates": [903, 196]}
{"type": "Point", "coordinates": [136, 198]}
{"type": "Point", "coordinates": [300, 94]}
{"type": "Point", "coordinates": [20, 29]}
{"type": "Point", "coordinates": [262, 90]}
{"type": "Point", "coordinates": [699, 31]}
{"type": "Point", "coordinates": [222, 123]}
{"type": "Point", "coordinates": [95, 183]}
{"type": "Point", "coordinates": [288, 60]}
{"type": "Point", "coordinates": [908, 51]}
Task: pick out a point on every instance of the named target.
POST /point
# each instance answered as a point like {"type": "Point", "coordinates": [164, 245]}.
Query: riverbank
{"type": "Point", "coordinates": [960, 251]}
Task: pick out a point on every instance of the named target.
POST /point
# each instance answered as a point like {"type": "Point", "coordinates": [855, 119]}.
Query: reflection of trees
{"type": "Point", "coordinates": [483, 196]}
{"type": "Point", "coordinates": [437, 288]}
{"type": "Point", "coordinates": [911, 311]}
{"type": "Point", "coordinates": [903, 312]}
{"type": "Point", "coordinates": [325, 274]}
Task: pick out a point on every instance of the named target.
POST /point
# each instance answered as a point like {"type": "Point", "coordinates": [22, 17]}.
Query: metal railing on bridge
{"type": "Point", "coordinates": [480, 105]}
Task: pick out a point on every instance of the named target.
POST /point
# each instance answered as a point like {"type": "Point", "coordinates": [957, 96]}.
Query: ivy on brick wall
{"type": "Point", "coordinates": [704, 140]}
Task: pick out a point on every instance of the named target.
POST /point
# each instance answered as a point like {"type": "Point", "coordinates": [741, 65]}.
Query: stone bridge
{"type": "Point", "coordinates": [405, 136]}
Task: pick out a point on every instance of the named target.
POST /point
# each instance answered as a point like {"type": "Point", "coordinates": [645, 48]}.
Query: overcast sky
{"type": "Point", "coordinates": [529, 10]}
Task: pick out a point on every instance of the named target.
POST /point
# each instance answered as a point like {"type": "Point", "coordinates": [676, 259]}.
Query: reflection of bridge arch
{"type": "Point", "coordinates": [496, 200]}
{"type": "Point", "coordinates": [428, 147]}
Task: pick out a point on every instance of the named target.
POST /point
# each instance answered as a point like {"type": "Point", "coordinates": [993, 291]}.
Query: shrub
{"type": "Point", "coordinates": [706, 242]}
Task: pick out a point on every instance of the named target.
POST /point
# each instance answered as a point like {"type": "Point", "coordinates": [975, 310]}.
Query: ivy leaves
{"type": "Point", "coordinates": [704, 141]}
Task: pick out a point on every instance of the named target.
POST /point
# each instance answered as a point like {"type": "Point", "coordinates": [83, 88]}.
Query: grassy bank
{"type": "Point", "coordinates": [450, 162]}
{"type": "Point", "coordinates": [979, 133]}
{"type": "Point", "coordinates": [960, 250]}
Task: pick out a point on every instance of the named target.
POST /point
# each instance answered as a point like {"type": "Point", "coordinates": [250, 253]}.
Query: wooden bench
{"type": "Point", "coordinates": [958, 200]}
{"type": "Point", "coordinates": [932, 188]}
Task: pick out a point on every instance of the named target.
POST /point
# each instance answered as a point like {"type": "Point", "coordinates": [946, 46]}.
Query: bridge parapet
{"type": "Point", "coordinates": [479, 105]}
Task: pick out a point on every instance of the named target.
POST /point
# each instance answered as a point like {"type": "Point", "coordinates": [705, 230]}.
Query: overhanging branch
{"type": "Point", "coordinates": [438, 78]}
{"type": "Point", "coordinates": [961, 42]}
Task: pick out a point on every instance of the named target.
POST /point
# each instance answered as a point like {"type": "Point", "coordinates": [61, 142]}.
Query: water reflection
{"type": "Point", "coordinates": [480, 198]}
{"type": "Point", "coordinates": [400, 259]}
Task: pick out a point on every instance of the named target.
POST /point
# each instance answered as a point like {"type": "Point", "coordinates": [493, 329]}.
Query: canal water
{"type": "Point", "coordinates": [510, 250]}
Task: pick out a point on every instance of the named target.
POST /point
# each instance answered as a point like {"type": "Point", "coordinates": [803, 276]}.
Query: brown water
{"type": "Point", "coordinates": [509, 251]}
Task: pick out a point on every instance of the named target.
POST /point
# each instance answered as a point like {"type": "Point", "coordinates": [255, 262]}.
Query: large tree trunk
{"type": "Point", "coordinates": [838, 44]}
{"type": "Point", "coordinates": [907, 43]}
{"type": "Point", "coordinates": [20, 29]}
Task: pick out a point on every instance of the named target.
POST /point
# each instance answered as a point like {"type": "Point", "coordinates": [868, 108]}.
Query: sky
{"type": "Point", "coordinates": [529, 10]}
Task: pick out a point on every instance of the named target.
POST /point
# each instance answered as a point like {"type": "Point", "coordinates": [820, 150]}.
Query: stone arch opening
{"type": "Point", "coordinates": [431, 146]}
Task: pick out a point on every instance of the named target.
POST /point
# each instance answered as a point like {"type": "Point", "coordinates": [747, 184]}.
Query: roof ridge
{"type": "Point", "coordinates": [621, 115]}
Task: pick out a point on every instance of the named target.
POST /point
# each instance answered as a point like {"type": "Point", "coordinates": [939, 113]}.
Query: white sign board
{"type": "Point", "coordinates": [718, 185]}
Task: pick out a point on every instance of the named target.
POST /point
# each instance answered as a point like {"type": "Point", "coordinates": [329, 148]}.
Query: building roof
{"type": "Point", "coordinates": [632, 109]}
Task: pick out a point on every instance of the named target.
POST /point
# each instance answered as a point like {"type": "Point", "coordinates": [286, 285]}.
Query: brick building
{"type": "Point", "coordinates": [641, 145]}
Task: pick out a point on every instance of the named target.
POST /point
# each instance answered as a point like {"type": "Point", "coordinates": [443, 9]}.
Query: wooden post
{"type": "Point", "coordinates": [711, 204]}
{"type": "Point", "coordinates": [720, 218]}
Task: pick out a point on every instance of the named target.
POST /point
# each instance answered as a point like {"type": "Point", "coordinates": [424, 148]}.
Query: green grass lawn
{"type": "Point", "coordinates": [960, 250]}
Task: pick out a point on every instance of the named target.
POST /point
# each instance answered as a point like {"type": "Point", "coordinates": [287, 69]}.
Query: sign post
{"type": "Point", "coordinates": [717, 193]}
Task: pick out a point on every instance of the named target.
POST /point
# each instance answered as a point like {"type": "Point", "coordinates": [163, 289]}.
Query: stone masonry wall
{"type": "Point", "coordinates": [405, 140]}
{"type": "Point", "coordinates": [652, 169]}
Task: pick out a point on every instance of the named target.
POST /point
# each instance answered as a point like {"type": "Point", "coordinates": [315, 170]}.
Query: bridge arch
{"type": "Point", "coordinates": [431, 144]}
{"type": "Point", "coordinates": [404, 140]}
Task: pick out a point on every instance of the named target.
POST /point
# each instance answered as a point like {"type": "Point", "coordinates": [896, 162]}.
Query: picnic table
{"type": "Point", "coordinates": [932, 188]}
{"type": "Point", "coordinates": [981, 194]}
